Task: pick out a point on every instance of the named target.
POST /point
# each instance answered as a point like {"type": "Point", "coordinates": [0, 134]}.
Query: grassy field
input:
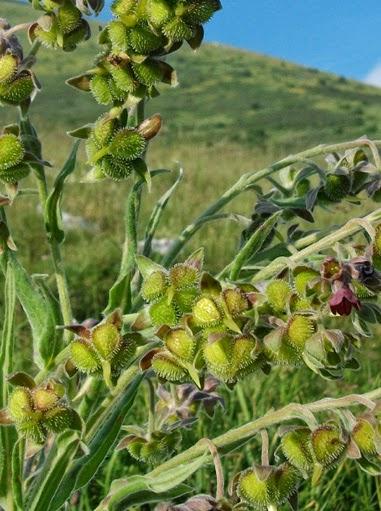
{"type": "Point", "coordinates": [234, 111]}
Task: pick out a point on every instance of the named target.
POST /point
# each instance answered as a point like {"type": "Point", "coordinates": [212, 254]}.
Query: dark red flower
{"type": "Point", "coordinates": [343, 300]}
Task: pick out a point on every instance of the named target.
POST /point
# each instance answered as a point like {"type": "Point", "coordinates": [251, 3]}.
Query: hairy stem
{"type": "Point", "coordinates": [350, 228]}
{"type": "Point", "coordinates": [249, 179]}
{"type": "Point", "coordinates": [121, 292]}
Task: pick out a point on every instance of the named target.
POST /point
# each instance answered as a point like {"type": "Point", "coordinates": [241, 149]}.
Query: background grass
{"type": "Point", "coordinates": [233, 111]}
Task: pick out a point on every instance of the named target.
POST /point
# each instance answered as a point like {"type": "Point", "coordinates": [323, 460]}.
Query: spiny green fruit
{"type": "Point", "coordinates": [123, 356]}
{"type": "Point", "coordinates": [32, 430]}
{"type": "Point", "coordinates": [115, 168]}
{"type": "Point", "coordinates": [255, 489]}
{"type": "Point", "coordinates": [15, 174]}
{"type": "Point", "coordinates": [206, 312]}
{"type": "Point", "coordinates": [185, 299]}
{"type": "Point", "coordinates": [117, 32]}
{"type": "Point", "coordinates": [143, 40]}
{"type": "Point", "coordinates": [302, 279]}
{"type": "Point", "coordinates": [127, 145]}
{"type": "Point", "coordinates": [100, 89]}
{"type": "Point", "coordinates": [183, 276]}
{"type": "Point", "coordinates": [285, 481]}
{"type": "Point", "coordinates": [8, 67]}
{"type": "Point", "coordinates": [20, 404]}
{"type": "Point", "coordinates": [158, 11]}
{"type": "Point", "coordinates": [148, 72]}
{"type": "Point", "coordinates": [163, 313]}
{"type": "Point", "coordinates": [106, 339]}
{"type": "Point", "coordinates": [18, 90]}
{"type": "Point", "coordinates": [300, 329]}
{"type": "Point", "coordinates": [181, 344]}
{"type": "Point", "coordinates": [337, 186]}
{"type": "Point", "coordinates": [302, 187]}
{"type": "Point", "coordinates": [11, 151]}
{"type": "Point", "coordinates": [235, 301]}
{"type": "Point", "coordinates": [200, 11]}
{"type": "Point", "coordinates": [278, 293]}
{"type": "Point", "coordinates": [177, 29]}
{"type": "Point", "coordinates": [68, 17]}
{"type": "Point", "coordinates": [123, 7]}
{"type": "Point", "coordinates": [47, 38]}
{"type": "Point", "coordinates": [76, 36]}
{"type": "Point", "coordinates": [364, 435]}
{"type": "Point", "coordinates": [103, 131]}
{"type": "Point", "coordinates": [134, 447]}
{"type": "Point", "coordinates": [285, 356]}
{"type": "Point", "coordinates": [117, 94]}
{"type": "Point", "coordinates": [84, 357]}
{"type": "Point", "coordinates": [242, 356]}
{"type": "Point", "coordinates": [58, 419]}
{"type": "Point", "coordinates": [166, 367]}
{"type": "Point", "coordinates": [327, 444]}
{"type": "Point", "coordinates": [154, 286]}
{"type": "Point", "coordinates": [297, 448]}
{"type": "Point", "coordinates": [300, 304]}
{"type": "Point", "coordinates": [123, 78]}
{"type": "Point", "coordinates": [218, 356]}
{"type": "Point", "coordinates": [44, 399]}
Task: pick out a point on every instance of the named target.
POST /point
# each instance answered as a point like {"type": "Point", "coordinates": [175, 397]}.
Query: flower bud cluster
{"type": "Point", "coordinates": [62, 25]}
{"type": "Point", "coordinates": [17, 82]}
{"type": "Point", "coordinates": [102, 349]}
{"type": "Point", "coordinates": [41, 410]}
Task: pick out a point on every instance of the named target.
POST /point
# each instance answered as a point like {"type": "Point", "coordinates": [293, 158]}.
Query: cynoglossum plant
{"type": "Point", "coordinates": [290, 297]}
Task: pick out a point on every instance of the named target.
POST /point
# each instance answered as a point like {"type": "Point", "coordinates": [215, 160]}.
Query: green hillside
{"type": "Point", "coordinates": [226, 94]}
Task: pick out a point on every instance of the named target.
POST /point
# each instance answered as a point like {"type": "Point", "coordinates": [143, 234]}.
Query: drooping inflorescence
{"type": "Point", "coordinates": [230, 331]}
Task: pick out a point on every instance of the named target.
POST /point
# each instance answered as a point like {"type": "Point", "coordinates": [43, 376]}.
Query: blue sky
{"type": "Point", "coordinates": [342, 36]}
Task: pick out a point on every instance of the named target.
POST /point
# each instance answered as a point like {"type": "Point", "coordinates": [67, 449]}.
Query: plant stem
{"type": "Point", "coordinates": [249, 179]}
{"type": "Point", "coordinates": [291, 411]}
{"type": "Point", "coordinates": [120, 295]}
{"type": "Point", "coordinates": [55, 250]}
{"type": "Point", "coordinates": [348, 229]}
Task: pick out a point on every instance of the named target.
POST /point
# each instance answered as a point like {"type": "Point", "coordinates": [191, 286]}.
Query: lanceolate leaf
{"type": "Point", "coordinates": [101, 440]}
{"type": "Point", "coordinates": [253, 244]}
{"type": "Point", "coordinates": [157, 212]}
{"type": "Point", "coordinates": [60, 457]}
{"type": "Point", "coordinates": [37, 308]}
{"type": "Point", "coordinates": [150, 488]}
{"type": "Point", "coordinates": [52, 207]}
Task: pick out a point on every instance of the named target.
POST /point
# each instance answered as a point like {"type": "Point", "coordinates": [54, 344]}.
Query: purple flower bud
{"type": "Point", "coordinates": [343, 300]}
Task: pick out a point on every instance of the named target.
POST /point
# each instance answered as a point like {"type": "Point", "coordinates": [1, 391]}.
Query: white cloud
{"type": "Point", "coordinates": [374, 76]}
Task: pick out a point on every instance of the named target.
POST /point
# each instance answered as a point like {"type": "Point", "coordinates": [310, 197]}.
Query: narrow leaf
{"type": "Point", "coordinates": [253, 244]}
{"type": "Point", "coordinates": [52, 207]}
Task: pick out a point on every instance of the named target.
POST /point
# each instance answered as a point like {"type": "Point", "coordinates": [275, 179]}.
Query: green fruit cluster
{"type": "Point", "coordinates": [152, 449]}
{"type": "Point", "coordinates": [264, 487]}
{"type": "Point", "coordinates": [231, 331]}
{"type": "Point", "coordinates": [13, 165]}
{"type": "Point", "coordinates": [40, 410]}
{"type": "Point", "coordinates": [17, 83]}
{"type": "Point", "coordinates": [62, 26]}
{"type": "Point", "coordinates": [102, 348]}
{"type": "Point", "coordinates": [142, 32]}
{"type": "Point", "coordinates": [116, 152]}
